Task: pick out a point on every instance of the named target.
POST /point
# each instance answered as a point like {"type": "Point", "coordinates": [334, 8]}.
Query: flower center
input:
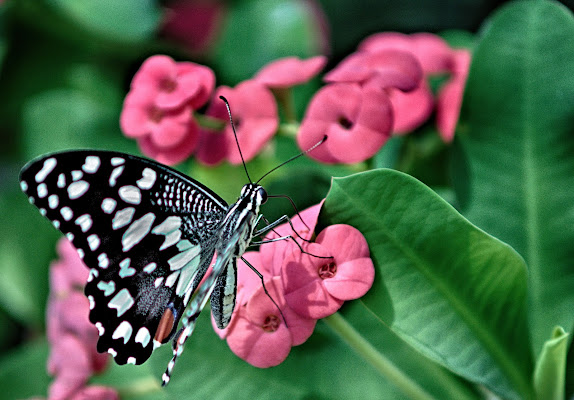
{"type": "Point", "coordinates": [167, 85]}
{"type": "Point", "coordinates": [271, 323]}
{"type": "Point", "coordinates": [327, 271]}
{"type": "Point", "coordinates": [155, 114]}
{"type": "Point", "coordinates": [345, 122]}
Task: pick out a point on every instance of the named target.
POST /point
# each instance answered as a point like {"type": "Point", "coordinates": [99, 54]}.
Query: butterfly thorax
{"type": "Point", "coordinates": [238, 225]}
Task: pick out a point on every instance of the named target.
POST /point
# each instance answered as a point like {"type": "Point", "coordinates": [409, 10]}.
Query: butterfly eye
{"type": "Point", "coordinates": [262, 194]}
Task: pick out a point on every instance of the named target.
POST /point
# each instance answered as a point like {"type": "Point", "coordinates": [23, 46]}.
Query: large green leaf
{"type": "Point", "coordinates": [450, 290]}
{"type": "Point", "coordinates": [518, 142]}
{"type": "Point", "coordinates": [550, 367]}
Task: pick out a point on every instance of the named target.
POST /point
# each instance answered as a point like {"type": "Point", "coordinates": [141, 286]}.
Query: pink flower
{"type": "Point", "coordinates": [73, 356]}
{"type": "Point", "coordinates": [255, 116]}
{"type": "Point", "coordinates": [356, 119]}
{"type": "Point", "coordinates": [273, 254]}
{"type": "Point", "coordinates": [174, 84]}
{"type": "Point", "coordinates": [317, 287]}
{"type": "Point", "coordinates": [192, 23]}
{"type": "Point", "coordinates": [158, 110]}
{"type": "Point", "coordinates": [386, 69]}
{"type": "Point", "coordinates": [450, 95]}
{"type": "Point", "coordinates": [290, 71]}
{"type": "Point", "coordinates": [260, 336]}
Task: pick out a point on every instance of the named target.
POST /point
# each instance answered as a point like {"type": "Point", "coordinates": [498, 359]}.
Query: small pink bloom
{"type": "Point", "coordinates": [255, 116]}
{"type": "Point", "coordinates": [260, 335]}
{"type": "Point", "coordinates": [194, 24]}
{"type": "Point", "coordinates": [96, 393]}
{"type": "Point", "coordinates": [450, 95]}
{"type": "Point", "coordinates": [357, 121]}
{"type": "Point", "coordinates": [173, 84]}
{"type": "Point", "coordinates": [316, 287]}
{"type": "Point", "coordinates": [70, 364]}
{"type": "Point", "coordinates": [432, 51]}
{"type": "Point", "coordinates": [411, 109]}
{"type": "Point", "coordinates": [386, 69]}
{"type": "Point", "coordinates": [290, 71]}
{"type": "Point", "coordinates": [69, 272]}
{"type": "Point", "coordinates": [273, 254]}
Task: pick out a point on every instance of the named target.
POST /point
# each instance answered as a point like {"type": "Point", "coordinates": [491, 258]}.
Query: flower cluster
{"type": "Point", "coordinates": [73, 356]}
{"type": "Point", "coordinates": [305, 287]}
{"type": "Point", "coordinates": [380, 90]}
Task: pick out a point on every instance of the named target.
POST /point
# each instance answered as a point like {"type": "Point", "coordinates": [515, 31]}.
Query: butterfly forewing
{"type": "Point", "coordinates": [145, 231]}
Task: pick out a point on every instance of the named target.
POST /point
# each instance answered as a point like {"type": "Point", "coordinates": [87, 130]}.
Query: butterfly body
{"type": "Point", "coordinates": [148, 234]}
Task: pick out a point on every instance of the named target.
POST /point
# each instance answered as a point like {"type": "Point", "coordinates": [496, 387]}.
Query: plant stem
{"type": "Point", "coordinates": [375, 358]}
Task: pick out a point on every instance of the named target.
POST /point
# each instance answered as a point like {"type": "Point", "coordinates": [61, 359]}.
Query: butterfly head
{"type": "Point", "coordinates": [254, 194]}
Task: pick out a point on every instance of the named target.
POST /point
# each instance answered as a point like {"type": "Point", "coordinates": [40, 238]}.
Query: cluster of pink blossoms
{"type": "Point", "coordinates": [306, 286]}
{"type": "Point", "coordinates": [378, 91]}
{"type": "Point", "coordinates": [73, 357]}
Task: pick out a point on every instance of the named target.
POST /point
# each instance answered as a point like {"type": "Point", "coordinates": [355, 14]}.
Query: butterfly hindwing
{"type": "Point", "coordinates": [144, 230]}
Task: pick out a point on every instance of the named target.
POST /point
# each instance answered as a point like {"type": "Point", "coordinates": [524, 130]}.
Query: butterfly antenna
{"type": "Point", "coordinates": [294, 157]}
{"type": "Point", "coordinates": [235, 135]}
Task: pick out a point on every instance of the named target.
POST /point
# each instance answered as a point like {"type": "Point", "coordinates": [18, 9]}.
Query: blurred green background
{"type": "Point", "coordinates": [66, 65]}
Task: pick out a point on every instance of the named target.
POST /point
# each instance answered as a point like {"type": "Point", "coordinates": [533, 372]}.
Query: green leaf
{"type": "Point", "coordinates": [124, 21]}
{"type": "Point", "coordinates": [257, 32]}
{"type": "Point", "coordinates": [447, 288]}
{"type": "Point", "coordinates": [23, 372]}
{"type": "Point", "coordinates": [517, 142]}
{"type": "Point", "coordinates": [550, 367]}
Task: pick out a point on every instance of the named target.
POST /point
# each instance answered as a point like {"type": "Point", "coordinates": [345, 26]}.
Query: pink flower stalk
{"type": "Point", "coordinates": [256, 120]}
{"type": "Point", "coordinates": [356, 119]}
{"type": "Point", "coordinates": [450, 95]}
{"type": "Point", "coordinates": [317, 287]}
{"type": "Point", "coordinates": [73, 356]}
{"type": "Point", "coordinates": [158, 110]}
{"type": "Point", "coordinates": [290, 71]}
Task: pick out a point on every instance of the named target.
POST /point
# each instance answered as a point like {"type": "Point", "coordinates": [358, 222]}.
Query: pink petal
{"type": "Point", "coordinates": [212, 147]}
{"type": "Point", "coordinates": [261, 307]}
{"type": "Point", "coordinates": [273, 254]}
{"type": "Point", "coordinates": [96, 393]}
{"type": "Point", "coordinates": [259, 348]}
{"type": "Point", "coordinates": [70, 363]}
{"type": "Point", "coordinates": [388, 68]}
{"type": "Point", "coordinates": [411, 109]}
{"type": "Point", "coordinates": [304, 290]}
{"type": "Point", "coordinates": [136, 112]}
{"type": "Point", "coordinates": [247, 280]}
{"type": "Point", "coordinates": [174, 128]}
{"type": "Point", "coordinates": [290, 71]}
{"type": "Point", "coordinates": [385, 41]}
{"type": "Point", "coordinates": [170, 156]}
{"type": "Point", "coordinates": [154, 72]}
{"type": "Point", "coordinates": [353, 279]}
{"type": "Point", "coordinates": [343, 242]}
{"type": "Point", "coordinates": [255, 115]}
{"type": "Point", "coordinates": [450, 97]}
{"type": "Point", "coordinates": [206, 78]}
{"type": "Point", "coordinates": [356, 120]}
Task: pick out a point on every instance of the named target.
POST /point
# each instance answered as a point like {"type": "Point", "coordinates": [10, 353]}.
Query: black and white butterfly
{"type": "Point", "coordinates": [148, 234]}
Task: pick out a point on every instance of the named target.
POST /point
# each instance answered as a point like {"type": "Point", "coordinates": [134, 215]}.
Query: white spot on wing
{"type": "Point", "coordinates": [112, 352]}
{"type": "Point", "coordinates": [23, 186]}
{"type": "Point", "coordinates": [107, 287]}
{"type": "Point", "coordinates": [150, 268]}
{"type": "Point", "coordinates": [77, 189]}
{"type": "Point", "coordinates": [92, 164]}
{"type": "Point", "coordinates": [124, 330]}
{"type": "Point", "coordinates": [85, 222]}
{"type": "Point", "coordinates": [67, 213]}
{"type": "Point", "coordinates": [93, 274]}
{"type": "Point", "coordinates": [171, 279]}
{"type": "Point", "coordinates": [92, 302]}
{"type": "Point", "coordinates": [42, 190]}
{"type": "Point", "coordinates": [108, 205]}
{"type": "Point", "coordinates": [76, 175]}
{"type": "Point", "coordinates": [137, 231]}
{"type": "Point", "coordinates": [158, 281]}
{"type": "Point", "coordinates": [125, 269]}
{"type": "Point", "coordinates": [143, 336]}
{"type": "Point", "coordinates": [131, 360]}
{"type": "Point", "coordinates": [182, 259]}
{"type": "Point", "coordinates": [93, 241]}
{"type": "Point", "coordinates": [103, 261]}
{"type": "Point", "coordinates": [61, 181]}
{"type": "Point", "coordinates": [117, 161]}
{"type": "Point", "coordinates": [148, 179]}
{"type": "Point", "coordinates": [122, 301]}
{"type": "Point", "coordinates": [130, 194]}
{"type": "Point", "coordinates": [169, 228]}
{"type": "Point", "coordinates": [123, 217]}
{"type": "Point", "coordinates": [48, 166]}
{"type": "Point", "coordinates": [115, 175]}
{"type": "Point", "coordinates": [53, 201]}
{"type": "Point", "coordinates": [100, 327]}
